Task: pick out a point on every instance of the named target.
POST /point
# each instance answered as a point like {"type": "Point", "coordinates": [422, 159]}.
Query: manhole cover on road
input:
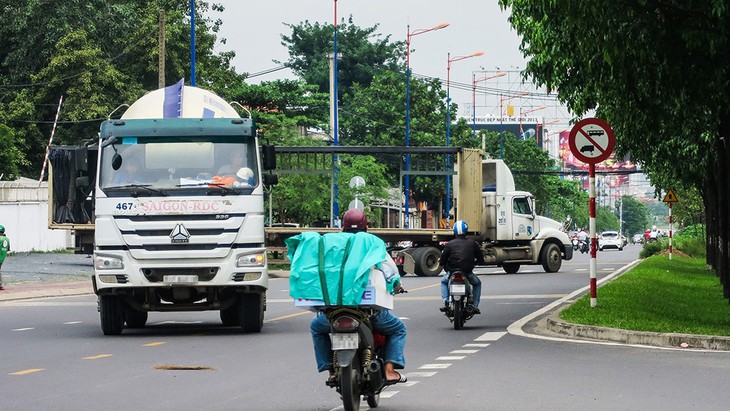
{"type": "Point", "coordinates": [183, 368]}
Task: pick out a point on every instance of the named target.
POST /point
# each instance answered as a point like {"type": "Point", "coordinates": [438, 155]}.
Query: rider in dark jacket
{"type": "Point", "coordinates": [461, 254]}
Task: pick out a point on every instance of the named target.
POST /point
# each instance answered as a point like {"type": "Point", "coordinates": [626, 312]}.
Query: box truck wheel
{"type": "Point", "coordinates": [511, 268]}
{"type": "Point", "coordinates": [229, 316]}
{"type": "Point", "coordinates": [551, 258]}
{"type": "Point", "coordinates": [134, 318]}
{"type": "Point", "coordinates": [111, 314]}
{"type": "Point", "coordinates": [251, 312]}
{"type": "Point", "coordinates": [427, 261]}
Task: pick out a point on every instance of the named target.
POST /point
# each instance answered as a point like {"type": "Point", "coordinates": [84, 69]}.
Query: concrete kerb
{"type": "Point", "coordinates": [554, 324]}
{"type": "Point", "coordinates": [546, 324]}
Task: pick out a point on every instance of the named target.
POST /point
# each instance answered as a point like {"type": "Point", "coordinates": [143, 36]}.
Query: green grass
{"type": "Point", "coordinates": [677, 296]}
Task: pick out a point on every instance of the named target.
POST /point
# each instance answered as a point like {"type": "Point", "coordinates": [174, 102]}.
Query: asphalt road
{"type": "Point", "coordinates": [54, 356]}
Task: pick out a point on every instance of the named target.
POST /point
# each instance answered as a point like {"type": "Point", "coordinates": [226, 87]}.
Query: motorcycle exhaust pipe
{"type": "Point", "coordinates": [375, 371]}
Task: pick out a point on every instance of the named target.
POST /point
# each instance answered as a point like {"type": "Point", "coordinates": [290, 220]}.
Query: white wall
{"type": "Point", "coordinates": [24, 213]}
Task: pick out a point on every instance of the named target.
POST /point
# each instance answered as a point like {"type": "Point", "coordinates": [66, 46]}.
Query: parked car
{"type": "Point", "coordinates": [638, 239]}
{"type": "Point", "coordinates": [610, 239]}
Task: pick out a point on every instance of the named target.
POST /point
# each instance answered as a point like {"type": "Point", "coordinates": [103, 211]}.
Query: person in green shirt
{"type": "Point", "coordinates": [4, 248]}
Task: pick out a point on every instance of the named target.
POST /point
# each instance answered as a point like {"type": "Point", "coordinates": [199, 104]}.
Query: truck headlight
{"type": "Point", "coordinates": [251, 260]}
{"type": "Point", "coordinates": [103, 262]}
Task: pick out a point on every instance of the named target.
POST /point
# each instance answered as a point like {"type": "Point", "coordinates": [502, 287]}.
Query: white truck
{"type": "Point", "coordinates": [176, 226]}
{"type": "Point", "coordinates": [500, 218]}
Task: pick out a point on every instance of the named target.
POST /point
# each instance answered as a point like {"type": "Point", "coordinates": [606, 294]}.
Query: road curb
{"type": "Point", "coordinates": [554, 324]}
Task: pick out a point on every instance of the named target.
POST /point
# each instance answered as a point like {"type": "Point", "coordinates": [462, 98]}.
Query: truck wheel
{"type": "Point", "coordinates": [251, 312]}
{"type": "Point", "coordinates": [229, 316]}
{"type": "Point", "coordinates": [427, 261]}
{"type": "Point", "coordinates": [551, 258]}
{"type": "Point", "coordinates": [134, 318]}
{"type": "Point", "coordinates": [511, 268]}
{"type": "Point", "coordinates": [111, 314]}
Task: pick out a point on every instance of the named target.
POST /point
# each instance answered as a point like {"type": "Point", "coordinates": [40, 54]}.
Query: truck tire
{"type": "Point", "coordinates": [111, 314]}
{"type": "Point", "coordinates": [427, 261]}
{"type": "Point", "coordinates": [511, 268]}
{"type": "Point", "coordinates": [229, 316]}
{"type": "Point", "coordinates": [251, 312]}
{"type": "Point", "coordinates": [134, 318]}
{"type": "Point", "coordinates": [551, 258]}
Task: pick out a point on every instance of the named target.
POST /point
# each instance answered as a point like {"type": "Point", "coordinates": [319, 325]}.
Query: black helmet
{"type": "Point", "coordinates": [354, 220]}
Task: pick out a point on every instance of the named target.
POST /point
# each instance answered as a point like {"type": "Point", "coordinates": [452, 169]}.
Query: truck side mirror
{"type": "Point", "coordinates": [116, 161]}
{"type": "Point", "coordinates": [269, 153]}
{"type": "Point", "coordinates": [270, 180]}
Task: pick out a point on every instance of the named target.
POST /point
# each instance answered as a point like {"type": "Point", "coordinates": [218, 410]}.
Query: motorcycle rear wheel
{"type": "Point", "coordinates": [350, 386]}
{"type": "Point", "coordinates": [458, 314]}
{"type": "Point", "coordinates": [373, 400]}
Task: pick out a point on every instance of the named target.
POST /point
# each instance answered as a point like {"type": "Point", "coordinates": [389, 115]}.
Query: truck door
{"type": "Point", "coordinates": [523, 218]}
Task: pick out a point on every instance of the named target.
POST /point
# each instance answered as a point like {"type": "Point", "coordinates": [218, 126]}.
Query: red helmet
{"type": "Point", "coordinates": [354, 220]}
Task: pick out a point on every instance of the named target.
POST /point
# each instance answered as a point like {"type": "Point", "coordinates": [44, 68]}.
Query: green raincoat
{"type": "Point", "coordinates": [316, 257]}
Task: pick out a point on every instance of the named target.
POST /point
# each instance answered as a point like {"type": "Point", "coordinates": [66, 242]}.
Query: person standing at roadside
{"type": "Point", "coordinates": [4, 248]}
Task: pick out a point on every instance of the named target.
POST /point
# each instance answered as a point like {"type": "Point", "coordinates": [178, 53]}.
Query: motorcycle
{"type": "Point", "coordinates": [357, 355]}
{"type": "Point", "coordinates": [580, 245]}
{"type": "Point", "coordinates": [460, 297]}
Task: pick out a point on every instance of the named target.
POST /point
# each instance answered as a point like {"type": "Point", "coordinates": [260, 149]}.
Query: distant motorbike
{"type": "Point", "coordinates": [579, 245]}
{"type": "Point", "coordinates": [460, 297]}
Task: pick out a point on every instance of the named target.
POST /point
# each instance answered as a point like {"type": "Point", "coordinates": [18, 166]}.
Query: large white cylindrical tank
{"type": "Point", "coordinates": [189, 102]}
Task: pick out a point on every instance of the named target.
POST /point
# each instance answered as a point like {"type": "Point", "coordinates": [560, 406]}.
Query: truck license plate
{"type": "Point", "coordinates": [345, 341]}
{"type": "Point", "coordinates": [458, 289]}
{"type": "Point", "coordinates": [180, 279]}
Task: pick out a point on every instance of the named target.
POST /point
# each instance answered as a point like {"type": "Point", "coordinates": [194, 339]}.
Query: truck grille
{"type": "Point", "coordinates": [156, 275]}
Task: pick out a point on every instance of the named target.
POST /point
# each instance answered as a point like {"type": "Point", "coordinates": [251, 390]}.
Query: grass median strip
{"type": "Point", "coordinates": [659, 295]}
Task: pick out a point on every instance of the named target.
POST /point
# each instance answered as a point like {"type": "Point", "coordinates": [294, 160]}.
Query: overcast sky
{"type": "Point", "coordinates": [253, 30]}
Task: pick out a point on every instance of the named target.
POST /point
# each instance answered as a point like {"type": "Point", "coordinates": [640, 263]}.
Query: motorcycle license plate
{"type": "Point", "coordinates": [458, 289]}
{"type": "Point", "coordinates": [345, 341]}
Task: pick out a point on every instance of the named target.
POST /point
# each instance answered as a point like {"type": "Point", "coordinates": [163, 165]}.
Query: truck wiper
{"type": "Point", "coordinates": [146, 187]}
{"type": "Point", "coordinates": [223, 189]}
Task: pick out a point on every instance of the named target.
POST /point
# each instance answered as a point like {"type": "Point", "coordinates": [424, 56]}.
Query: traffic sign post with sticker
{"type": "Point", "coordinates": [591, 141]}
{"type": "Point", "coordinates": [670, 199]}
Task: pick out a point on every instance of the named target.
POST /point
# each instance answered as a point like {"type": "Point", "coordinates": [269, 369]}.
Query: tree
{"type": "Point", "coordinates": [11, 157]}
{"type": "Point", "coordinates": [363, 53]}
{"type": "Point", "coordinates": [635, 216]}
{"type": "Point", "coordinates": [677, 61]}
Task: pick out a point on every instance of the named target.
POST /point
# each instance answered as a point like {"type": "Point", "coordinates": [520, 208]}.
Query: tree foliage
{"type": "Point", "coordinates": [364, 53]}
{"type": "Point", "coordinates": [98, 55]}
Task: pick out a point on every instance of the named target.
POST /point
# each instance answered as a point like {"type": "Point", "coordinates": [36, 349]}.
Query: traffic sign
{"type": "Point", "coordinates": [591, 140]}
{"type": "Point", "coordinates": [670, 197]}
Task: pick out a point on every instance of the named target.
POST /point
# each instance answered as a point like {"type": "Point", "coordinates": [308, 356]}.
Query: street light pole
{"type": "Point", "coordinates": [450, 60]}
{"type": "Point", "coordinates": [335, 159]}
{"type": "Point", "coordinates": [408, 110]}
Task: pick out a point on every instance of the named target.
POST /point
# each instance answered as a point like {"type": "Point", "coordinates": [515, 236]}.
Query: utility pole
{"type": "Point", "coordinates": [161, 51]}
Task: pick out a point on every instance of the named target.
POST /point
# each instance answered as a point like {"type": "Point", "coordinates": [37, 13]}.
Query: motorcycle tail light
{"type": "Point", "coordinates": [345, 324]}
{"type": "Point", "coordinates": [458, 277]}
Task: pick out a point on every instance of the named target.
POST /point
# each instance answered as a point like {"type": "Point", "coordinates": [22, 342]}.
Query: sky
{"type": "Point", "coordinates": [253, 30]}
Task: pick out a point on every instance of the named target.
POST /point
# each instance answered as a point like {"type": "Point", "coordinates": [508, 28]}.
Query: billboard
{"type": "Point", "coordinates": [524, 127]}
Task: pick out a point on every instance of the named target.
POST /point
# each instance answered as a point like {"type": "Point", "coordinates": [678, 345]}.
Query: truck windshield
{"type": "Point", "coordinates": [210, 165]}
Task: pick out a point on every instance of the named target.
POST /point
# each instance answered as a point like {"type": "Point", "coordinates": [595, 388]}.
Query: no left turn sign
{"type": "Point", "coordinates": [591, 140]}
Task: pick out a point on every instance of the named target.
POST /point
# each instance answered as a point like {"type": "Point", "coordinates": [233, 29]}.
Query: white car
{"type": "Point", "coordinates": [610, 239]}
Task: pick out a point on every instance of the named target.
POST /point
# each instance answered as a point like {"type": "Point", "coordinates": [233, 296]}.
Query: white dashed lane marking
{"type": "Point", "coordinates": [491, 336]}
{"type": "Point", "coordinates": [451, 358]}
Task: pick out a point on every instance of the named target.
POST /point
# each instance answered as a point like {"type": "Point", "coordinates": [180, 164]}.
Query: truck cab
{"type": "Point", "coordinates": [179, 215]}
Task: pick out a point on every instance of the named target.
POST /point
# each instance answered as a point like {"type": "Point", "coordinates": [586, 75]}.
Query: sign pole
{"type": "Point", "coordinates": [591, 141]}
{"type": "Point", "coordinates": [592, 230]}
{"type": "Point", "coordinates": [670, 231]}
